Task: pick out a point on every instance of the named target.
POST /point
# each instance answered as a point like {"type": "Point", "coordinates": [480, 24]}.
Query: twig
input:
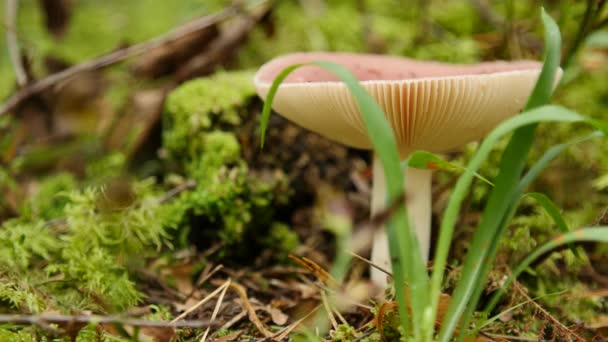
{"type": "Point", "coordinates": [330, 314]}
{"type": "Point", "coordinates": [234, 320]}
{"type": "Point", "coordinates": [119, 55]}
{"type": "Point", "coordinates": [279, 336]}
{"type": "Point", "coordinates": [190, 184]}
{"type": "Point", "coordinates": [376, 266]}
{"type": "Point", "coordinates": [559, 324]}
{"type": "Point", "coordinates": [205, 277]}
{"type": "Point", "coordinates": [340, 317]}
{"type": "Point", "coordinates": [201, 302]}
{"type": "Point", "coordinates": [587, 24]}
{"type": "Point", "coordinates": [217, 307]}
{"type": "Point", "coordinates": [253, 317]}
{"type": "Point", "coordinates": [486, 14]}
{"type": "Point", "coordinates": [222, 47]}
{"type": "Point", "coordinates": [43, 320]}
{"type": "Point", "coordinates": [11, 41]}
{"type": "Point", "coordinates": [344, 296]}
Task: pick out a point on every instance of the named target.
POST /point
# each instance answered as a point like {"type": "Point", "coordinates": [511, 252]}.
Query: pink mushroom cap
{"type": "Point", "coordinates": [430, 105]}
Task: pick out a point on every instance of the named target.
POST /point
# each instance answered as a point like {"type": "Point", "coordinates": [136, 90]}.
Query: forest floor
{"type": "Point", "coordinates": [135, 191]}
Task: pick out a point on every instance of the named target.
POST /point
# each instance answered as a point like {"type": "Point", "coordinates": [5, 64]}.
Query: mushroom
{"type": "Point", "coordinates": [431, 106]}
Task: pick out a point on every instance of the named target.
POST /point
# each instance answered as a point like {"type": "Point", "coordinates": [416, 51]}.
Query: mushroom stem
{"type": "Point", "coordinates": [418, 203]}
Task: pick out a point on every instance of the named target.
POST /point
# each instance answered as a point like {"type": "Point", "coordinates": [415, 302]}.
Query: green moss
{"type": "Point", "coordinates": [199, 137]}
{"type": "Point", "coordinates": [282, 239]}
{"type": "Point", "coordinates": [50, 199]}
{"type": "Point", "coordinates": [344, 333]}
{"type": "Point", "coordinates": [198, 105]}
{"type": "Point", "coordinates": [81, 260]}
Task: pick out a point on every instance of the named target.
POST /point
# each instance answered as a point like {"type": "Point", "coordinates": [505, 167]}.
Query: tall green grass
{"type": "Point", "coordinates": [508, 187]}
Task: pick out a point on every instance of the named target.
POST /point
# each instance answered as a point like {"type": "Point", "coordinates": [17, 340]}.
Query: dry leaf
{"type": "Point", "coordinates": [278, 316]}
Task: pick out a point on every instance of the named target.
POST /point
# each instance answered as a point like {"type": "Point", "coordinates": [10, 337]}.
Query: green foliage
{"type": "Point", "coordinates": [81, 259]}
{"type": "Point", "coordinates": [199, 123]}
{"type": "Point", "coordinates": [344, 333]}
{"type": "Point", "coordinates": [109, 24]}
{"type": "Point", "coordinates": [497, 213]}
{"type": "Point", "coordinates": [50, 199]}
{"type": "Point", "coordinates": [281, 238]}
{"type": "Point", "coordinates": [377, 25]}
{"type": "Point", "coordinates": [197, 106]}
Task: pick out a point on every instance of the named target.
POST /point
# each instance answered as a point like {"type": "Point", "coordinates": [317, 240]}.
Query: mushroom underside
{"type": "Point", "coordinates": [435, 114]}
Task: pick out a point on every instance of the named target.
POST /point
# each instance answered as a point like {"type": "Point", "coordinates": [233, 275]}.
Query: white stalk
{"type": "Point", "coordinates": [418, 204]}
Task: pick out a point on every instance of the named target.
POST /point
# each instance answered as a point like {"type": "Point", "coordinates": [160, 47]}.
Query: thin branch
{"type": "Point", "coordinates": [376, 266]}
{"type": "Point", "coordinates": [585, 27]}
{"type": "Point", "coordinates": [201, 302]}
{"type": "Point", "coordinates": [44, 320]}
{"type": "Point", "coordinates": [122, 54]}
{"type": "Point", "coordinates": [485, 13]}
{"type": "Point", "coordinates": [216, 310]}
{"type": "Point", "coordinates": [190, 184]}
{"type": "Point", "coordinates": [11, 41]}
{"type": "Point", "coordinates": [547, 315]}
{"type": "Point", "coordinates": [246, 304]}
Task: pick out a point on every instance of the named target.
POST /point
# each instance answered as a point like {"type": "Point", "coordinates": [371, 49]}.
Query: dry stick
{"type": "Point", "coordinates": [285, 332]}
{"type": "Point", "coordinates": [330, 314]}
{"type": "Point", "coordinates": [42, 320]}
{"type": "Point", "coordinates": [201, 302]}
{"type": "Point", "coordinates": [119, 55]}
{"type": "Point", "coordinates": [345, 296]}
{"type": "Point", "coordinates": [380, 268]}
{"type": "Point", "coordinates": [217, 50]}
{"type": "Point", "coordinates": [206, 277]}
{"type": "Point", "coordinates": [253, 317]}
{"type": "Point", "coordinates": [217, 308]}
{"type": "Point", "coordinates": [234, 320]}
{"type": "Point", "coordinates": [337, 312]}
{"type": "Point", "coordinates": [190, 184]}
{"type": "Point", "coordinates": [559, 324]}
{"type": "Point", "coordinates": [486, 13]}
{"type": "Point", "coordinates": [11, 41]}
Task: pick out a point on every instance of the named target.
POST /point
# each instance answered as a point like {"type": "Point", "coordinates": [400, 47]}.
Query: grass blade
{"type": "Point", "coordinates": [595, 234]}
{"type": "Point", "coordinates": [511, 168]}
{"type": "Point", "coordinates": [270, 97]}
{"type": "Point", "coordinates": [403, 244]}
{"type": "Point", "coordinates": [551, 154]}
{"type": "Point", "coordinates": [532, 174]}
{"type": "Point", "coordinates": [551, 209]}
{"type": "Point", "coordinates": [497, 316]}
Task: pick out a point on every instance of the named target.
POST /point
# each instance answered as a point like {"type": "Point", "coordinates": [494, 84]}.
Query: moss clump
{"type": "Point", "coordinates": [344, 333]}
{"type": "Point", "coordinates": [199, 138]}
{"type": "Point", "coordinates": [200, 105]}
{"type": "Point", "coordinates": [50, 198]}
{"type": "Point", "coordinates": [282, 239]}
{"type": "Point", "coordinates": [80, 259]}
